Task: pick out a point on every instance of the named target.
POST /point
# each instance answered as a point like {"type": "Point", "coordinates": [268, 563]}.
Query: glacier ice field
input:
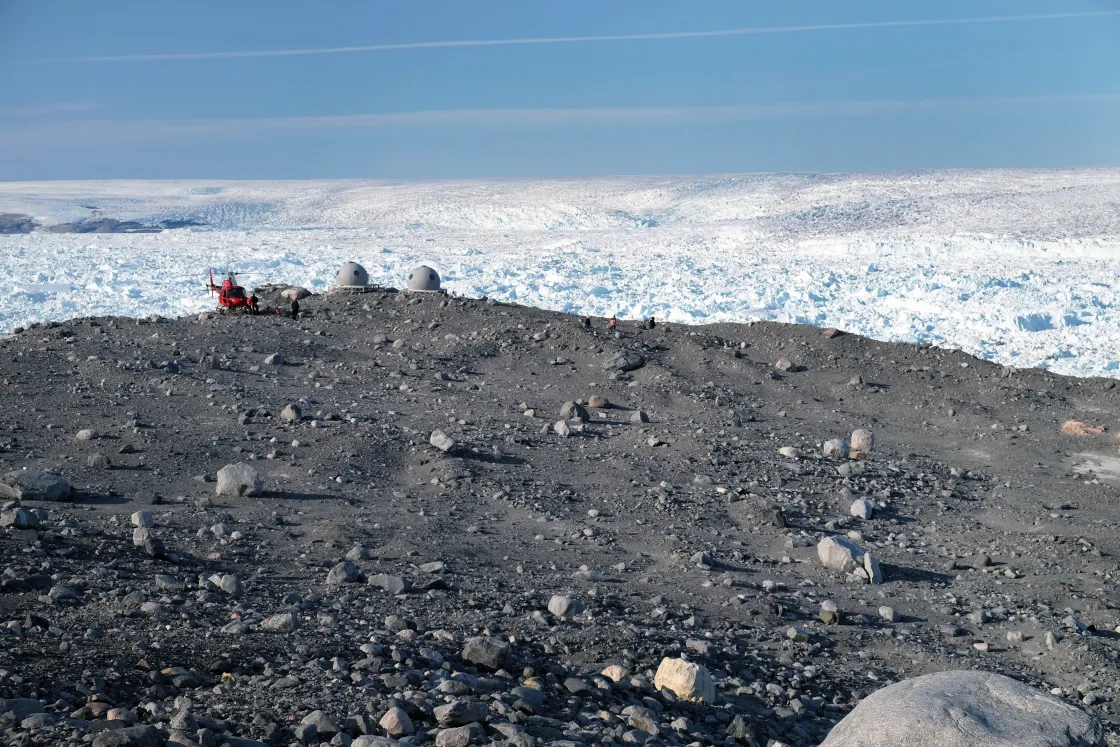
{"type": "Point", "coordinates": [1017, 267]}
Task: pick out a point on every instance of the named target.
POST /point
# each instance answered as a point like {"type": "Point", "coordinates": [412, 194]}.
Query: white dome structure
{"type": "Point", "coordinates": [423, 279]}
{"type": "Point", "coordinates": [352, 275]}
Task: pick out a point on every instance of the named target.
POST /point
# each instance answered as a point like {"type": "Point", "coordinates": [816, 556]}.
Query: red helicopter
{"type": "Point", "coordinates": [230, 294]}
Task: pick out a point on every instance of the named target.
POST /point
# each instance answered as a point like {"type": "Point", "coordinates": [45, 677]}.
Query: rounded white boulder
{"type": "Point", "coordinates": [863, 441]}
{"type": "Point", "coordinates": [964, 709]}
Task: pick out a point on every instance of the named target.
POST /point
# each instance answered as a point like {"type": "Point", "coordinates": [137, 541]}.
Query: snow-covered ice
{"type": "Point", "coordinates": [1014, 266]}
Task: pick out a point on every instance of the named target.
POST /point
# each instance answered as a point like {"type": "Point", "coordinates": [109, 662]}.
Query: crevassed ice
{"type": "Point", "coordinates": [1015, 267]}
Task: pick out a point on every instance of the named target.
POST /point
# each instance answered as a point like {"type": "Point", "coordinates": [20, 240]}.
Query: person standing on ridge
{"type": "Point", "coordinates": [614, 322]}
{"type": "Point", "coordinates": [295, 309]}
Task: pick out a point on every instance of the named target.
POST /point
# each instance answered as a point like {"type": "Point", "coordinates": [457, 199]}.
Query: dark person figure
{"type": "Point", "coordinates": [295, 309]}
{"type": "Point", "coordinates": [587, 322]}
{"type": "Point", "coordinates": [614, 322]}
{"type": "Point", "coordinates": [253, 304]}
{"type": "Point", "coordinates": [652, 322]}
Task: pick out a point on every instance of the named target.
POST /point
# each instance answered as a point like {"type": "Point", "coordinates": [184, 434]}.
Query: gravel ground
{"type": "Point", "coordinates": [361, 580]}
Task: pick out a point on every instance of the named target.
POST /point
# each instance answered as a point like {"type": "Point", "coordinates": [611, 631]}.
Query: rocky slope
{"type": "Point", "coordinates": [522, 575]}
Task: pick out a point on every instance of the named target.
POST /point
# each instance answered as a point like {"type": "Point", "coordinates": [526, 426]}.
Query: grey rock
{"type": "Point", "coordinates": [19, 518]}
{"type": "Point", "coordinates": [872, 569]}
{"type": "Point", "coordinates": [688, 680]}
{"type": "Point", "coordinates": [835, 449]}
{"type": "Point", "coordinates": [573, 410]}
{"type": "Point", "coordinates": [461, 713]}
{"type": "Point", "coordinates": [397, 623]}
{"type": "Point", "coordinates": [374, 741]}
{"type": "Point", "coordinates": [132, 736]}
{"type": "Point", "coordinates": [391, 584]}
{"type": "Point", "coordinates": [282, 623]}
{"type": "Point", "coordinates": [231, 741]}
{"type": "Point", "coordinates": [291, 414]}
{"type": "Point", "coordinates": [324, 724]}
{"type": "Point", "coordinates": [530, 695]}
{"type": "Point", "coordinates": [460, 736]}
{"type": "Point", "coordinates": [230, 583]}
{"type": "Point", "coordinates": [863, 441]}
{"type": "Point", "coordinates": [98, 461]}
{"type": "Point", "coordinates": [21, 708]}
{"type": "Point", "coordinates": [964, 709]}
{"type": "Point", "coordinates": [39, 721]}
{"type": "Point", "coordinates": [442, 441]}
{"type": "Point", "coordinates": [240, 480]}
{"type": "Point", "coordinates": [840, 554]}
{"type": "Point", "coordinates": [295, 293]}
{"type": "Point", "coordinates": [140, 535]}
{"type": "Point", "coordinates": [486, 652]}
{"type": "Point", "coordinates": [368, 740]}
{"type": "Point", "coordinates": [565, 606]}
{"type": "Point", "coordinates": [862, 508]}
{"type": "Point", "coordinates": [396, 722]}
{"type": "Point", "coordinates": [344, 573]}
{"type": "Point", "coordinates": [624, 360]}
{"type": "Point", "coordinates": [30, 485]}
{"type": "Point", "coordinates": [358, 553]}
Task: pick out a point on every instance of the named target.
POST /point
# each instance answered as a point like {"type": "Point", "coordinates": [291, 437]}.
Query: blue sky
{"type": "Point", "coordinates": [266, 90]}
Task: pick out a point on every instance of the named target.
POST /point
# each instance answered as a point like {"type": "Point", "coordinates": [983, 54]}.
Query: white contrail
{"type": "Point", "coordinates": [569, 39]}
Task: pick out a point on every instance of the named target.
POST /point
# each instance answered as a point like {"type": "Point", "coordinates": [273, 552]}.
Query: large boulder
{"type": "Point", "coordinates": [573, 410]}
{"type": "Point", "coordinates": [565, 606]}
{"type": "Point", "coordinates": [834, 448]}
{"type": "Point", "coordinates": [372, 740]}
{"type": "Point", "coordinates": [688, 681]}
{"type": "Point", "coordinates": [239, 479]}
{"type": "Point", "coordinates": [21, 708]}
{"type": "Point", "coordinates": [840, 554]}
{"type": "Point", "coordinates": [443, 442]}
{"type": "Point", "coordinates": [132, 736]}
{"type": "Point", "coordinates": [396, 723]}
{"type": "Point", "coordinates": [344, 573]}
{"type": "Point", "coordinates": [862, 508]}
{"type": "Point", "coordinates": [624, 360]}
{"type": "Point", "coordinates": [295, 293]}
{"type": "Point", "coordinates": [486, 652]}
{"type": "Point", "coordinates": [863, 441]}
{"type": "Point", "coordinates": [964, 709]}
{"type": "Point", "coordinates": [388, 582]}
{"type": "Point", "coordinates": [19, 518]}
{"type": "Point", "coordinates": [460, 713]}
{"type": "Point", "coordinates": [284, 622]}
{"type": "Point", "coordinates": [30, 485]}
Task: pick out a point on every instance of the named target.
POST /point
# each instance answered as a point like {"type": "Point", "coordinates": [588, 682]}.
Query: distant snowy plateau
{"type": "Point", "coordinates": [1019, 267]}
